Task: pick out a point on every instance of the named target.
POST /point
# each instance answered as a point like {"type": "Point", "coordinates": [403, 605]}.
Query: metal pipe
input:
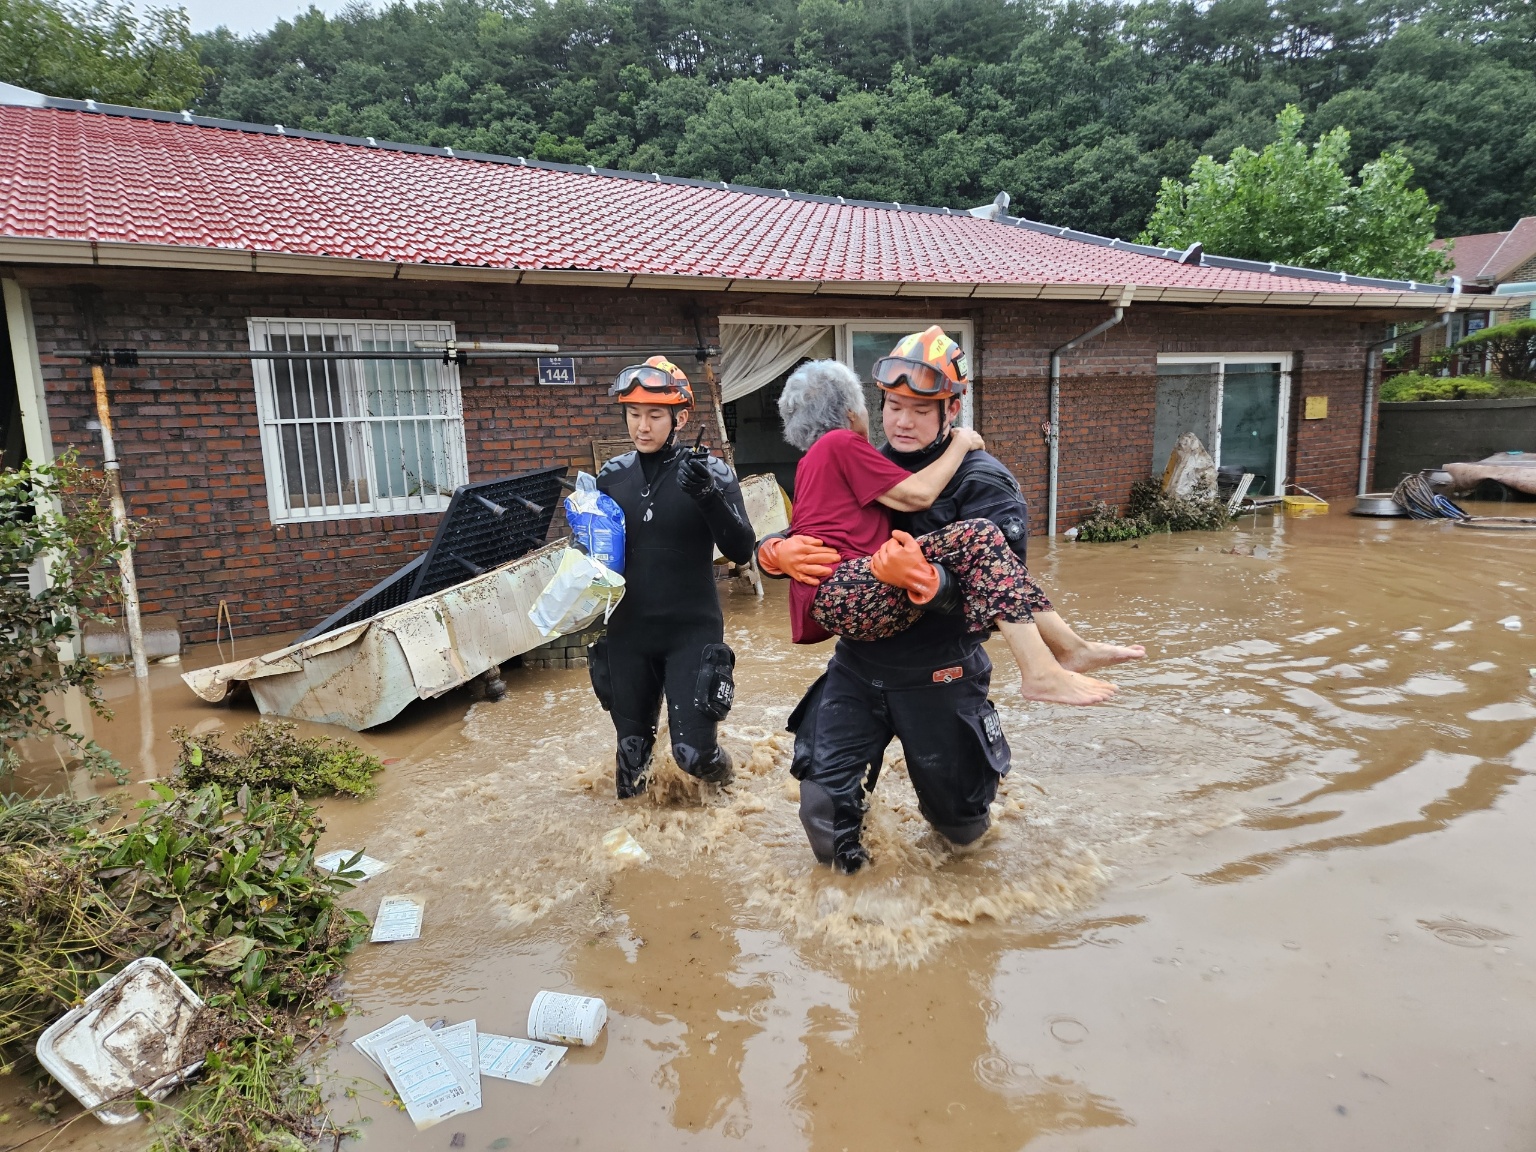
{"type": "Point", "coordinates": [127, 575]}
{"type": "Point", "coordinates": [130, 357]}
{"type": "Point", "coordinates": [1053, 437]}
{"type": "Point", "coordinates": [1368, 407]}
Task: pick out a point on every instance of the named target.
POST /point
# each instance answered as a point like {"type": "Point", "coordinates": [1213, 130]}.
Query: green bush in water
{"type": "Point", "coordinates": [1152, 511]}
{"type": "Point", "coordinates": [270, 754]}
{"type": "Point", "coordinates": [1197, 512]}
{"type": "Point", "coordinates": [1417, 386]}
{"type": "Point", "coordinates": [1105, 525]}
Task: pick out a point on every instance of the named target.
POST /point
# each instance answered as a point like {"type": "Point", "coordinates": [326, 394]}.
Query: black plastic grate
{"type": "Point", "coordinates": [390, 592]}
{"type": "Point", "coordinates": [484, 526]}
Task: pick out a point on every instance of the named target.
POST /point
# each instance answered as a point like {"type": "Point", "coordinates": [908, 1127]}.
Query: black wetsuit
{"type": "Point", "coordinates": [926, 686]}
{"type": "Point", "coordinates": [667, 633]}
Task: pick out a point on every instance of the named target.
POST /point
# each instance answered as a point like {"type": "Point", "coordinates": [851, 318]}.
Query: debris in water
{"type": "Point", "coordinates": [351, 864]}
{"type": "Point", "coordinates": [399, 918]}
{"type": "Point", "coordinates": [133, 1034]}
{"type": "Point", "coordinates": [523, 1061]}
{"type": "Point", "coordinates": [624, 848]}
{"type": "Point", "coordinates": [431, 1084]}
{"type": "Point", "coordinates": [563, 1019]}
{"type": "Point", "coordinates": [1511, 622]}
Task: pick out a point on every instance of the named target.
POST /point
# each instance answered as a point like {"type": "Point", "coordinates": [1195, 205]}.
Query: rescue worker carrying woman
{"type": "Point", "coordinates": [667, 634]}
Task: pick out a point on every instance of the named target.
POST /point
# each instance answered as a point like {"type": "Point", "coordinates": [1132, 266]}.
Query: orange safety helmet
{"type": "Point", "coordinates": [926, 365]}
{"type": "Point", "coordinates": [657, 381]}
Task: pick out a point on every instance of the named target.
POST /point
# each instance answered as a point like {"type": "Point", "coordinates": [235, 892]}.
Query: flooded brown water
{"type": "Point", "coordinates": [1277, 894]}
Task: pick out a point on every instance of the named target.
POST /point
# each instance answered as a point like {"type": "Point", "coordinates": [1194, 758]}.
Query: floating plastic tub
{"type": "Point", "coordinates": [131, 1035]}
{"type": "Point", "coordinates": [1304, 506]}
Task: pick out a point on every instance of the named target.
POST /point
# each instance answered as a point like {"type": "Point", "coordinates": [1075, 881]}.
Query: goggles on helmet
{"type": "Point", "coordinates": [922, 378]}
{"type": "Point", "coordinates": [651, 379]}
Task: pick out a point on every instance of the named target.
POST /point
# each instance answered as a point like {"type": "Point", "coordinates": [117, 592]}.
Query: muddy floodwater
{"type": "Point", "coordinates": [1280, 893]}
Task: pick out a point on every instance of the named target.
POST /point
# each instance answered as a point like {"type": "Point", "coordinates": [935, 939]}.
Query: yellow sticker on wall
{"type": "Point", "coordinates": [1316, 408]}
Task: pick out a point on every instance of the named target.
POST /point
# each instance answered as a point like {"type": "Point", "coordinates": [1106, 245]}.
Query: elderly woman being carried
{"type": "Point", "coordinates": [884, 581]}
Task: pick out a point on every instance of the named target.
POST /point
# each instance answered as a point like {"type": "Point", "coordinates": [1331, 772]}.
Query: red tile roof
{"type": "Point", "coordinates": [150, 179]}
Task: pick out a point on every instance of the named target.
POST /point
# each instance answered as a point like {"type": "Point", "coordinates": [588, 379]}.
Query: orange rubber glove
{"type": "Point", "coordinates": [804, 559]}
{"type": "Point", "coordinates": [900, 562]}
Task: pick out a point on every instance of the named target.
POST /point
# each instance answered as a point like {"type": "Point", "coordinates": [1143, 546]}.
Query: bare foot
{"type": "Point", "coordinates": [1060, 686]}
{"type": "Point", "coordinates": [1088, 656]}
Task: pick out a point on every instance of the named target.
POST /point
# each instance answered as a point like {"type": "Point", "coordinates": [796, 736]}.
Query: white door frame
{"type": "Point", "coordinates": [1221, 360]}
{"type": "Point", "coordinates": [29, 372]}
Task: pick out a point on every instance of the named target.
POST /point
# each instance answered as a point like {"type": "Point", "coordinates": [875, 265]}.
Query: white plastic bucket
{"type": "Point", "coordinates": [557, 1018]}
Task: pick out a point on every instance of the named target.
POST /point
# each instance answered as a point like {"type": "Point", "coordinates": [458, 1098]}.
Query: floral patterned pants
{"type": "Point", "coordinates": [994, 585]}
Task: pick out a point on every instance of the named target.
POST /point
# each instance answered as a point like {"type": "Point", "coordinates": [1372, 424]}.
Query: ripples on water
{"type": "Point", "coordinates": [1337, 689]}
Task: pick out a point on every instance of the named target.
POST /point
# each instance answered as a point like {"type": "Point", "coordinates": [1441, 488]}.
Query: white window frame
{"type": "Point", "coordinates": [843, 328]}
{"type": "Point", "coordinates": [1222, 359]}
{"type": "Point", "coordinates": [359, 427]}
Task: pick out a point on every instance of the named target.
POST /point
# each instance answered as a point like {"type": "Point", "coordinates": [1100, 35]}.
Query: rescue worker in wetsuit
{"type": "Point", "coordinates": [927, 686]}
{"type": "Point", "coordinates": [667, 633]}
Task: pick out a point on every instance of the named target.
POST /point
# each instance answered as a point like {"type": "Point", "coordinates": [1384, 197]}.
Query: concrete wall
{"type": "Point", "coordinates": [1433, 433]}
{"type": "Point", "coordinates": [191, 449]}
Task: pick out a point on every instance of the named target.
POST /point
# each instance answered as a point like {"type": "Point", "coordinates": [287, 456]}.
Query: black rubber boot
{"type": "Point", "coordinates": [631, 766]}
{"type": "Point", "coordinates": [715, 768]}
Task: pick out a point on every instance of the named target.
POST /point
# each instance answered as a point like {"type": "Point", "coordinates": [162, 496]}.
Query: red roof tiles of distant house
{"type": "Point", "coordinates": [149, 179]}
{"type": "Point", "coordinates": [1490, 257]}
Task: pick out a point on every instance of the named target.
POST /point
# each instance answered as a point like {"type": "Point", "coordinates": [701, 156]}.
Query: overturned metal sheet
{"type": "Point", "coordinates": [484, 526]}
{"type": "Point", "coordinates": [365, 674]}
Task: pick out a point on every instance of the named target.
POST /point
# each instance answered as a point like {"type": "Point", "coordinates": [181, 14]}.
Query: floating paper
{"type": "Point", "coordinates": [525, 1061]}
{"type": "Point", "coordinates": [367, 865]}
{"type": "Point", "coordinates": [380, 1038]}
{"type": "Point", "coordinates": [430, 1082]}
{"type": "Point", "coordinates": [399, 918]}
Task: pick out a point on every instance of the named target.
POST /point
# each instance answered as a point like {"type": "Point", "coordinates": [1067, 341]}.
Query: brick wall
{"type": "Point", "coordinates": [190, 447]}
{"type": "Point", "coordinates": [1109, 391]}
{"type": "Point", "coordinates": [188, 438]}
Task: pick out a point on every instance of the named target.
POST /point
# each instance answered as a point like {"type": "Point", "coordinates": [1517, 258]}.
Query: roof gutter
{"type": "Point", "coordinates": [1054, 434]}
{"type": "Point", "coordinates": [126, 254]}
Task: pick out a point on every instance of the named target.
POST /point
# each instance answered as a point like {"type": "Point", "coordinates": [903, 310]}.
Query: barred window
{"type": "Point", "coordinates": [349, 438]}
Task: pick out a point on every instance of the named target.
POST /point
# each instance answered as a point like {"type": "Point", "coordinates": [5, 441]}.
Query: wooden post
{"type": "Point", "coordinates": [130, 580]}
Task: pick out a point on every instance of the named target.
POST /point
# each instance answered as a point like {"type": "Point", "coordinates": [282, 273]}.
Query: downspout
{"type": "Point", "coordinates": [1372, 352]}
{"type": "Point", "coordinates": [1053, 437]}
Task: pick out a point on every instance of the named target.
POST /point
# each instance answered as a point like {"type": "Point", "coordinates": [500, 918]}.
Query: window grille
{"type": "Point", "coordinates": [344, 439]}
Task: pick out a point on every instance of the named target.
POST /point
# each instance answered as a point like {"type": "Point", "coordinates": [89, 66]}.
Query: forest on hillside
{"type": "Point", "coordinates": [1076, 109]}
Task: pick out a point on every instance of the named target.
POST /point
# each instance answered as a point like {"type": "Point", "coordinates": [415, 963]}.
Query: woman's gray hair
{"type": "Point", "coordinates": [817, 398]}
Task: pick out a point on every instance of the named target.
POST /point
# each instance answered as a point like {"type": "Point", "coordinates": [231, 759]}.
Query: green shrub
{"type": "Point", "coordinates": [1197, 512]}
{"type": "Point", "coordinates": [1416, 386]}
{"type": "Point", "coordinates": [1105, 525]}
{"type": "Point", "coordinates": [271, 755]}
{"type": "Point", "coordinates": [1510, 346]}
{"type": "Point", "coordinates": [59, 515]}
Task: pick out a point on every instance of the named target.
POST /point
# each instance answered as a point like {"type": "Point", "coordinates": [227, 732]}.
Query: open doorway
{"type": "Point", "coordinates": [757, 433]}
{"type": "Point", "coordinates": [1236, 405]}
{"type": "Point", "coordinates": [13, 442]}
{"type": "Point", "coordinates": [761, 352]}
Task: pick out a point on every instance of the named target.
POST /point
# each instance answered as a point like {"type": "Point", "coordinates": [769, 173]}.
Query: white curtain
{"type": "Point", "coordinates": [754, 355]}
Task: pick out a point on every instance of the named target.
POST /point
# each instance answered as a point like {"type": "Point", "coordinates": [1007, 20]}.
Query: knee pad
{"type": "Point", "coordinates": [631, 764]}
{"type": "Point", "coordinates": [713, 767]}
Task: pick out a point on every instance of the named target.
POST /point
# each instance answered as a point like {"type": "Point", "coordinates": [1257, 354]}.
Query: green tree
{"type": "Point", "coordinates": [103, 52]}
{"type": "Point", "coordinates": [55, 515]}
{"type": "Point", "coordinates": [1292, 204]}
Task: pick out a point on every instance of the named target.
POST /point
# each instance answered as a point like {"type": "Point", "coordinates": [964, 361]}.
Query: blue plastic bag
{"type": "Point", "coordinates": [597, 523]}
